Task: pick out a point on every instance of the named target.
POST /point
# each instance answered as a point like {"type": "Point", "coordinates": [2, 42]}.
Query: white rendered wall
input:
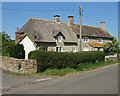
{"type": "Point", "coordinates": [28, 46]}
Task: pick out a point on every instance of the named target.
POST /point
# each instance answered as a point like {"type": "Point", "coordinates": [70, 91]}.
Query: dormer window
{"type": "Point", "coordinates": [35, 37]}
{"type": "Point", "coordinates": [85, 39]}
{"type": "Point", "coordinates": [100, 40]}
{"type": "Point", "coordinates": [59, 39]}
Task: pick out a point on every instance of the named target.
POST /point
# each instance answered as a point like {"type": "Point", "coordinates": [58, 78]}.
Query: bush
{"type": "Point", "coordinates": [60, 60]}
{"type": "Point", "coordinates": [14, 50]}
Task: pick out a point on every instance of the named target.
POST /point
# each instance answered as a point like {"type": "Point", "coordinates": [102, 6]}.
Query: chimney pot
{"type": "Point", "coordinates": [70, 20]}
{"type": "Point", "coordinates": [17, 29]}
{"type": "Point", "coordinates": [102, 24]}
{"type": "Point", "coordinates": [17, 35]}
{"type": "Point", "coordinates": [57, 18]}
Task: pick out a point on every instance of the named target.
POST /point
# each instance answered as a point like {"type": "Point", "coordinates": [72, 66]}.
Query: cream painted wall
{"type": "Point", "coordinates": [28, 46]}
{"type": "Point", "coordinates": [64, 48]}
{"type": "Point", "coordinates": [93, 40]}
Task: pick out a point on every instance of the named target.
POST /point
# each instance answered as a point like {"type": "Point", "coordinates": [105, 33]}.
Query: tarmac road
{"type": "Point", "coordinates": [100, 81]}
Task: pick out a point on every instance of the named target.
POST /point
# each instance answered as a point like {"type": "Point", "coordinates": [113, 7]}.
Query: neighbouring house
{"type": "Point", "coordinates": [60, 36]}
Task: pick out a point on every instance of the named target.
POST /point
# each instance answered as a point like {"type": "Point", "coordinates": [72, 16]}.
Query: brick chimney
{"type": "Point", "coordinates": [57, 18]}
{"type": "Point", "coordinates": [70, 20]}
{"type": "Point", "coordinates": [17, 35]}
{"type": "Point", "coordinates": [102, 24]}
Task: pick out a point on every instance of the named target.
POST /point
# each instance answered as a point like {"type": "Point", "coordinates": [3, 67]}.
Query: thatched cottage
{"type": "Point", "coordinates": [60, 36]}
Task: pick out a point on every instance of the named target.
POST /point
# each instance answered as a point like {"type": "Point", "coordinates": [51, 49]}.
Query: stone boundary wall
{"type": "Point", "coordinates": [112, 57]}
{"type": "Point", "coordinates": [28, 66]}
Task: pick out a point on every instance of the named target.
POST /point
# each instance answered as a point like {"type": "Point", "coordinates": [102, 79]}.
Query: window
{"type": "Point", "coordinates": [59, 39]}
{"type": "Point", "coordinates": [35, 37]}
{"type": "Point", "coordinates": [98, 49]}
{"type": "Point", "coordinates": [91, 48]}
{"type": "Point", "coordinates": [37, 47]}
{"type": "Point", "coordinates": [85, 49]}
{"type": "Point", "coordinates": [85, 39]}
{"type": "Point", "coordinates": [58, 49]}
{"type": "Point", "coordinates": [45, 48]}
{"type": "Point", "coordinates": [73, 49]}
{"type": "Point", "coordinates": [100, 40]}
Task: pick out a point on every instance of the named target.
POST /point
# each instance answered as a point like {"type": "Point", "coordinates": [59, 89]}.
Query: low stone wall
{"type": "Point", "coordinates": [28, 66]}
{"type": "Point", "coordinates": [112, 57]}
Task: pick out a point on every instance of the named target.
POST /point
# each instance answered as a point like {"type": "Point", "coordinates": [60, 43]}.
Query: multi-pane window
{"type": "Point", "coordinates": [85, 49]}
{"type": "Point", "coordinates": [59, 39]}
{"type": "Point", "coordinates": [58, 49]}
{"type": "Point", "coordinates": [45, 48]}
{"type": "Point", "coordinates": [85, 39]}
{"type": "Point", "coordinates": [100, 40]}
{"type": "Point", "coordinates": [73, 49]}
{"type": "Point", "coordinates": [37, 47]}
{"type": "Point", "coordinates": [91, 48]}
{"type": "Point", "coordinates": [35, 37]}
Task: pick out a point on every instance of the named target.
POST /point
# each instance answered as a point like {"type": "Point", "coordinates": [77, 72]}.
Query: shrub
{"type": "Point", "coordinates": [60, 60]}
{"type": "Point", "coordinates": [16, 51]}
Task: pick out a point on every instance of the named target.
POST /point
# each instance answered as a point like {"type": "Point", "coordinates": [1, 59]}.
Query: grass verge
{"type": "Point", "coordinates": [62, 72]}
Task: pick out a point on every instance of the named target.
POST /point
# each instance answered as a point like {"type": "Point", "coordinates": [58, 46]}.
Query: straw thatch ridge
{"type": "Point", "coordinates": [91, 31]}
{"type": "Point", "coordinates": [43, 30]}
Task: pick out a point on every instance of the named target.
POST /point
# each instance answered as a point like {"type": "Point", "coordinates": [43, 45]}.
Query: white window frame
{"type": "Point", "coordinates": [86, 49]}
{"type": "Point", "coordinates": [45, 48]}
{"type": "Point", "coordinates": [92, 49]}
{"type": "Point", "coordinates": [86, 39]}
{"type": "Point", "coordinates": [59, 39]}
{"type": "Point", "coordinates": [101, 40]}
{"type": "Point", "coordinates": [73, 49]}
{"type": "Point", "coordinates": [59, 49]}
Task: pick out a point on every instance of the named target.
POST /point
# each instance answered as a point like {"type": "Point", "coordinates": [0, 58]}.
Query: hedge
{"type": "Point", "coordinates": [14, 50]}
{"type": "Point", "coordinates": [59, 60]}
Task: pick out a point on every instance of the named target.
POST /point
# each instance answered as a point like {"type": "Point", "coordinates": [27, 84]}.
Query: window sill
{"type": "Point", "coordinates": [100, 42]}
{"type": "Point", "coordinates": [86, 42]}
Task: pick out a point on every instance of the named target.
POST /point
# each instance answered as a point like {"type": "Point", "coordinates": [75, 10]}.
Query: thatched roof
{"type": "Point", "coordinates": [91, 31]}
{"type": "Point", "coordinates": [41, 30]}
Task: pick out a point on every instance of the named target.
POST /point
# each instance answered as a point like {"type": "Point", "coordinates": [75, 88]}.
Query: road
{"type": "Point", "coordinates": [100, 81]}
{"type": "Point", "coordinates": [9, 82]}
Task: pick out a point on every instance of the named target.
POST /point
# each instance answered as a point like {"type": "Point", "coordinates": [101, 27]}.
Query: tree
{"type": "Point", "coordinates": [111, 47]}
{"type": "Point", "coordinates": [0, 42]}
{"type": "Point", "coordinates": [10, 49]}
{"type": "Point", "coordinates": [5, 37]}
{"type": "Point", "coordinates": [5, 42]}
{"type": "Point", "coordinates": [16, 51]}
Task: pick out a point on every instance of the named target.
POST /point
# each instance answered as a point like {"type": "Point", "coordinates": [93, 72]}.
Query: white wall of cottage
{"type": "Point", "coordinates": [28, 46]}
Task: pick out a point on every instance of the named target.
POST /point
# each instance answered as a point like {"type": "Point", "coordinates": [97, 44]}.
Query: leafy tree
{"type": "Point", "coordinates": [16, 51]}
{"type": "Point", "coordinates": [0, 43]}
{"type": "Point", "coordinates": [5, 37]}
{"type": "Point", "coordinates": [5, 41]}
{"type": "Point", "coordinates": [111, 47]}
{"type": "Point", "coordinates": [9, 48]}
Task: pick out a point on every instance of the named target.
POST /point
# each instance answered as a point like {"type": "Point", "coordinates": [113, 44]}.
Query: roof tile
{"type": "Point", "coordinates": [96, 45]}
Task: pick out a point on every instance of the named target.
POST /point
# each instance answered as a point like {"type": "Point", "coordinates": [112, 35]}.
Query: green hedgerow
{"type": "Point", "coordinates": [60, 60]}
{"type": "Point", "coordinates": [16, 51]}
